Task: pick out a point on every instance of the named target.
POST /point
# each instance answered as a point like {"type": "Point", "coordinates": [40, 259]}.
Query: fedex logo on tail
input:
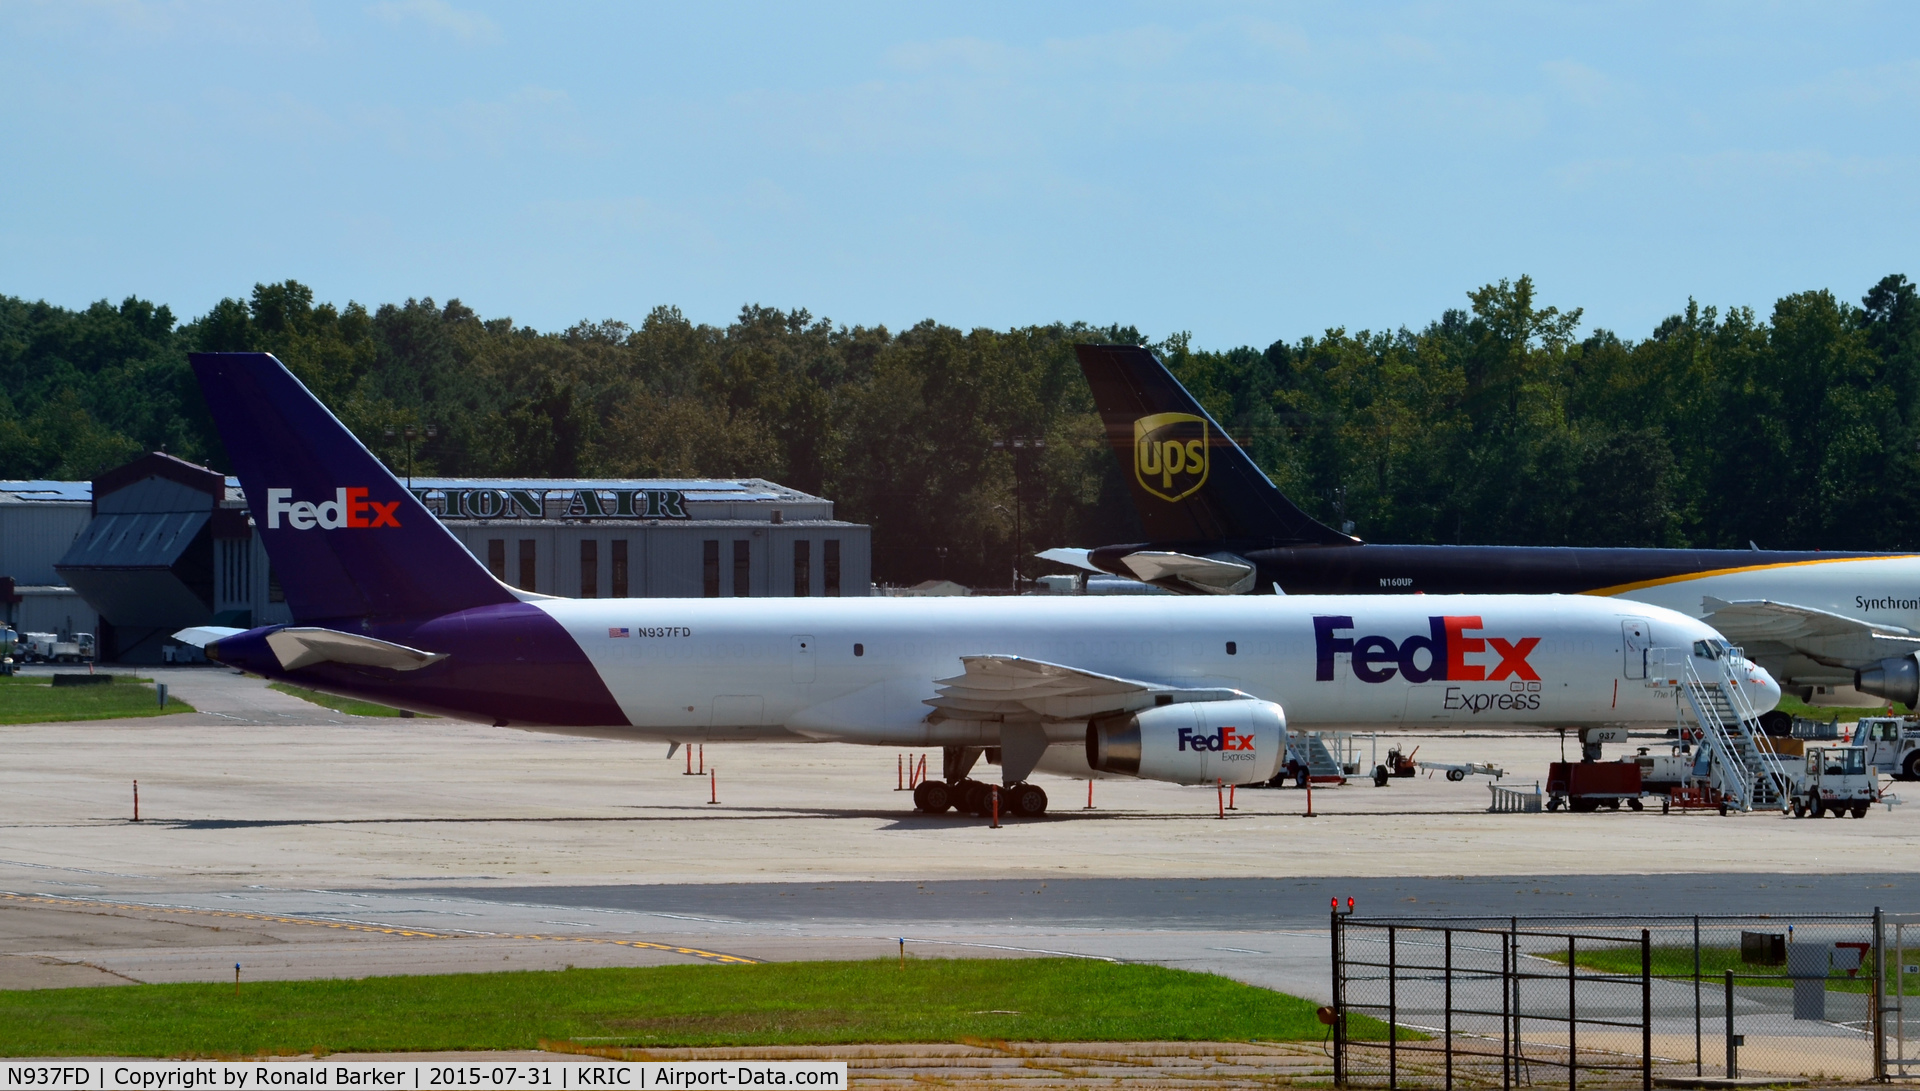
{"type": "Point", "coordinates": [1441, 654]}
{"type": "Point", "coordinates": [348, 508]}
{"type": "Point", "coordinates": [1226, 738]}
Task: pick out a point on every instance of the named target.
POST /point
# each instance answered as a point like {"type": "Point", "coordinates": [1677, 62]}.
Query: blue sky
{"type": "Point", "coordinates": [1242, 171]}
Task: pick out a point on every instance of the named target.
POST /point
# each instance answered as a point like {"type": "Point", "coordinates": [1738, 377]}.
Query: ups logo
{"type": "Point", "coordinates": [1170, 454]}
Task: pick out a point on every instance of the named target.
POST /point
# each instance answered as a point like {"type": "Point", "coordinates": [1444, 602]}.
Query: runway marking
{"type": "Point", "coordinates": [411, 933]}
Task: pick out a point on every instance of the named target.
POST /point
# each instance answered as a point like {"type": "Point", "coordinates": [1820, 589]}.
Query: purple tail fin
{"type": "Point", "coordinates": [345, 537]}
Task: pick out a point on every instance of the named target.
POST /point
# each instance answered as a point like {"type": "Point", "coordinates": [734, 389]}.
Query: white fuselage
{"type": "Point", "coordinates": [1882, 590]}
{"type": "Point", "coordinates": [860, 670]}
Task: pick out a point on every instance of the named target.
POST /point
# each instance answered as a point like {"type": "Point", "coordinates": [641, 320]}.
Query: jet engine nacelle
{"type": "Point", "coordinates": [1895, 679]}
{"type": "Point", "coordinates": [1240, 742]}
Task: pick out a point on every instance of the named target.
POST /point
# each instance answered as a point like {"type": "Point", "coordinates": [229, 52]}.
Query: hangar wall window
{"type": "Point", "coordinates": [830, 567]}
{"type": "Point", "coordinates": [802, 569]}
{"type": "Point", "coordinates": [742, 567]}
{"type": "Point", "coordinates": [527, 565]}
{"type": "Point", "coordinates": [589, 568]}
{"type": "Point", "coordinates": [236, 577]}
{"type": "Point", "coordinates": [497, 558]}
{"type": "Point", "coordinates": [710, 568]}
{"type": "Point", "coordinates": [619, 562]}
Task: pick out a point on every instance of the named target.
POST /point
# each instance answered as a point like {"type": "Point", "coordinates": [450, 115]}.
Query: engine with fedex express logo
{"type": "Point", "coordinates": [1195, 742]}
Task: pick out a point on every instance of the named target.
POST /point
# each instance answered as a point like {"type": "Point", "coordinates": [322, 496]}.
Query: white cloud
{"type": "Point", "coordinates": [469, 27]}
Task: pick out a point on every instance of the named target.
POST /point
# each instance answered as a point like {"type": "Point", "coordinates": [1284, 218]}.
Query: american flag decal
{"type": "Point", "coordinates": [617, 633]}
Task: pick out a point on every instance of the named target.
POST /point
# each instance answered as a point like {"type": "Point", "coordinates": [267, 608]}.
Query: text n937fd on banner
{"type": "Point", "coordinates": [419, 1075]}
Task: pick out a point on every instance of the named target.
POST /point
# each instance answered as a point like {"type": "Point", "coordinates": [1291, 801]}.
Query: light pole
{"type": "Point", "coordinates": [411, 433]}
{"type": "Point", "coordinates": [1022, 447]}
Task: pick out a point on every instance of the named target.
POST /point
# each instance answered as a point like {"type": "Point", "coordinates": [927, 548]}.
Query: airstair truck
{"type": "Point", "coordinates": [1892, 744]}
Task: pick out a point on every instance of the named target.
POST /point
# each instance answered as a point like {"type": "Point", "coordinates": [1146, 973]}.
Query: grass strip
{"type": "Point", "coordinates": [1677, 963]}
{"type": "Point", "coordinates": [349, 705]}
{"type": "Point", "coordinates": [1793, 706]}
{"type": "Point", "coordinates": [777, 1003]}
{"type": "Point", "coordinates": [33, 699]}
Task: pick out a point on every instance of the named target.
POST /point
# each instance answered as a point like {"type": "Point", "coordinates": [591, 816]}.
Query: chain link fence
{"type": "Point", "coordinates": [1622, 1001]}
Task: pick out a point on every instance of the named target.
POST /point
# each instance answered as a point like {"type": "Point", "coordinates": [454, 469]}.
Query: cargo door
{"type": "Point", "coordinates": [1635, 638]}
{"type": "Point", "coordinates": [804, 655]}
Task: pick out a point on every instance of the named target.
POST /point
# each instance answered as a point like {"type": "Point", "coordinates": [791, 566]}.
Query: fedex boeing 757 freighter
{"type": "Point", "coordinates": [390, 607]}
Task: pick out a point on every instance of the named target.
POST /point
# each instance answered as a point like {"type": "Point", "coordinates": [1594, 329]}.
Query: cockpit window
{"type": "Point", "coordinates": [1709, 649]}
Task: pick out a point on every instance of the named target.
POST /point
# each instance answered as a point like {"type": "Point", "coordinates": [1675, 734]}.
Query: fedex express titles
{"type": "Point", "coordinates": [1440, 655]}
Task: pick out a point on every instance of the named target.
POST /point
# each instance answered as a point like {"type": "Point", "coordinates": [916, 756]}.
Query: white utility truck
{"type": "Point", "coordinates": [49, 648]}
{"type": "Point", "coordinates": [1837, 781]}
{"type": "Point", "coordinates": [1892, 744]}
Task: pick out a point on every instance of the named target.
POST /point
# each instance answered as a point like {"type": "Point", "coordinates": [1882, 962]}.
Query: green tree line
{"type": "Point", "coordinates": [1496, 423]}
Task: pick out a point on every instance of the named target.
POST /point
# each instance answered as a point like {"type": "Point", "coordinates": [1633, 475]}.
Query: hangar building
{"type": "Point", "coordinates": [38, 522]}
{"type": "Point", "coordinates": [170, 544]}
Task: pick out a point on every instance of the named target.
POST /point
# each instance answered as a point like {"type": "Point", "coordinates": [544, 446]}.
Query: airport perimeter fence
{"type": "Point", "coordinates": [1610, 1001]}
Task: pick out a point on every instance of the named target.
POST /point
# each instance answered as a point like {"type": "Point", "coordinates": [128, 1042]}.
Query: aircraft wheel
{"type": "Point", "coordinates": [1456, 774]}
{"type": "Point", "coordinates": [932, 796]}
{"type": "Point", "coordinates": [1025, 800]}
{"type": "Point", "coordinates": [974, 798]}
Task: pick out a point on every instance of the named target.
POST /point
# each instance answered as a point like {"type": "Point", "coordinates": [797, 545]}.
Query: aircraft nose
{"type": "Point", "coordinates": [1765, 693]}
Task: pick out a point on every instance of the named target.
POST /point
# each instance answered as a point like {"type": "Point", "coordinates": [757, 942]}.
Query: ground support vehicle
{"type": "Point", "coordinates": [50, 648]}
{"type": "Point", "coordinates": [1458, 771]}
{"type": "Point", "coordinates": [1395, 767]}
{"type": "Point", "coordinates": [1837, 781]}
{"type": "Point", "coordinates": [1892, 744]}
{"type": "Point", "coordinates": [1590, 785]}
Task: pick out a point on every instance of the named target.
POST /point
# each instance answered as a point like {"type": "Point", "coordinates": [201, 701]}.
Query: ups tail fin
{"type": "Point", "coordinates": [346, 539]}
{"type": "Point", "coordinates": [1190, 481]}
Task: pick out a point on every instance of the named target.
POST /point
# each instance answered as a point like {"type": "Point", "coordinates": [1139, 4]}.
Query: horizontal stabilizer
{"type": "Point", "coordinates": [296, 648]}
{"type": "Point", "coordinates": [202, 635]}
{"type": "Point", "coordinates": [1219, 574]}
{"type": "Point", "coordinates": [1014, 689]}
{"type": "Point", "coordinates": [1072, 558]}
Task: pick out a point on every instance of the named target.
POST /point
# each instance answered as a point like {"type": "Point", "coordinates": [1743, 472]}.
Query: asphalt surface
{"type": "Point", "coordinates": [1227, 903]}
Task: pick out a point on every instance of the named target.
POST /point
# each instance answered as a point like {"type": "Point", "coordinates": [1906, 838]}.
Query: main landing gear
{"type": "Point", "coordinates": [974, 797]}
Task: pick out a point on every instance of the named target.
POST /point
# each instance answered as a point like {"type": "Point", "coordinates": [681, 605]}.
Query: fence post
{"type": "Point", "coordinates": [1646, 1010]}
{"type": "Point", "coordinates": [1877, 999]}
{"type": "Point", "coordinates": [1447, 1019]}
{"type": "Point", "coordinates": [1506, 1016]}
{"type": "Point", "coordinates": [1339, 1002]}
{"type": "Point", "coordinates": [1573, 1043]}
{"type": "Point", "coordinates": [1513, 947]}
{"type": "Point", "coordinates": [1393, 1009]}
{"type": "Point", "coordinates": [1733, 1061]}
{"type": "Point", "coordinates": [1699, 1058]}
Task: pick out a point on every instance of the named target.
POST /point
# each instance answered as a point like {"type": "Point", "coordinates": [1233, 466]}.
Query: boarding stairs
{"type": "Point", "coordinates": [1740, 770]}
{"type": "Point", "coordinates": [1310, 751]}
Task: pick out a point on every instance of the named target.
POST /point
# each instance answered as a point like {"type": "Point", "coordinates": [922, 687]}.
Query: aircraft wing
{"type": "Point", "coordinates": [303, 647]}
{"type": "Point", "coordinates": [1014, 689]}
{"type": "Point", "coordinates": [1775, 629]}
